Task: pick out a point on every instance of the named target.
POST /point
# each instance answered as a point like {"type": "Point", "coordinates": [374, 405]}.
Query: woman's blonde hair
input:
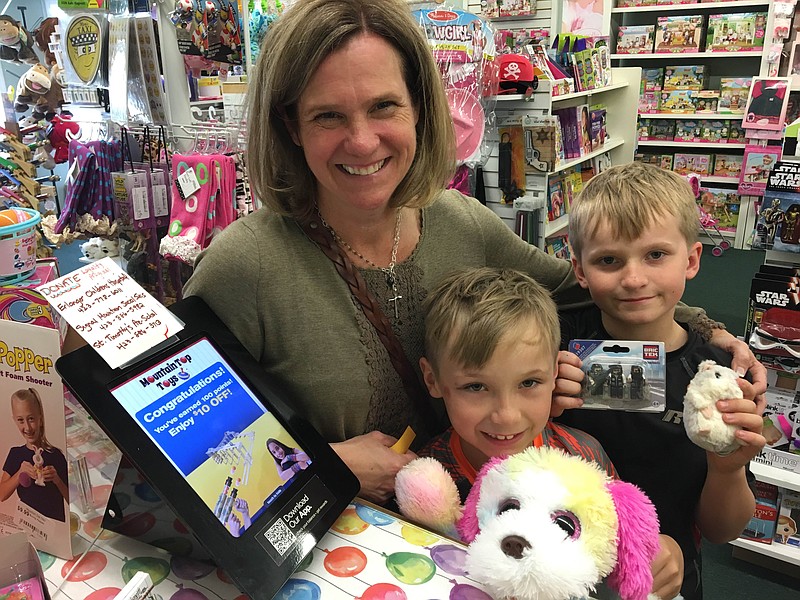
{"type": "Point", "coordinates": [304, 36]}
{"type": "Point", "coordinates": [470, 311]}
{"type": "Point", "coordinates": [32, 396]}
{"type": "Point", "coordinates": [629, 199]}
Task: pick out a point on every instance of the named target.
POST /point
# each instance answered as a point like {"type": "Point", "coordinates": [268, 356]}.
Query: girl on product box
{"type": "Point", "coordinates": [42, 487]}
{"type": "Point", "coordinates": [289, 461]}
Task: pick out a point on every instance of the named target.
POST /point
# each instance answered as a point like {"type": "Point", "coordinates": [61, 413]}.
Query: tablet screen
{"type": "Point", "coordinates": [222, 440]}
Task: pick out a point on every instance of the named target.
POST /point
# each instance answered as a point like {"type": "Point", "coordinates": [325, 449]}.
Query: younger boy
{"type": "Point", "coordinates": [491, 343]}
{"type": "Point", "coordinates": [634, 237]}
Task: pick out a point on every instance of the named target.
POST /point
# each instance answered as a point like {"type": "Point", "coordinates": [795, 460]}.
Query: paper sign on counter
{"type": "Point", "coordinates": [113, 313]}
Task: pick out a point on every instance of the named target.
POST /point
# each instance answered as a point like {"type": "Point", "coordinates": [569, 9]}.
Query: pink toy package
{"type": "Point", "coordinates": [30, 589]}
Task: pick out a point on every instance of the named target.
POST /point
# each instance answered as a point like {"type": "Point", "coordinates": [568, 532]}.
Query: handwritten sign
{"type": "Point", "coordinates": [110, 311]}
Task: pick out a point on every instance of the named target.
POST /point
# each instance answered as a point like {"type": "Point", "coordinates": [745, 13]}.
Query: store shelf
{"type": "Point", "coordinates": [782, 552]}
{"type": "Point", "coordinates": [715, 6]}
{"type": "Point", "coordinates": [713, 179]}
{"type": "Point", "coordinates": [775, 476]}
{"type": "Point", "coordinates": [704, 145]}
{"type": "Point", "coordinates": [562, 97]}
{"type": "Point", "coordinates": [698, 116]}
{"type": "Point", "coordinates": [552, 228]}
{"type": "Point", "coordinates": [683, 55]}
{"type": "Point", "coordinates": [609, 145]}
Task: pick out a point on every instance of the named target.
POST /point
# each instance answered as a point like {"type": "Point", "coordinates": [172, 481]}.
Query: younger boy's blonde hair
{"type": "Point", "coordinates": [629, 199]}
{"type": "Point", "coordinates": [468, 313]}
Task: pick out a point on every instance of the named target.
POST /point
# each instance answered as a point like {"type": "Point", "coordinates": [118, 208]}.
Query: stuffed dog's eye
{"type": "Point", "coordinates": [508, 504]}
{"type": "Point", "coordinates": [568, 522]}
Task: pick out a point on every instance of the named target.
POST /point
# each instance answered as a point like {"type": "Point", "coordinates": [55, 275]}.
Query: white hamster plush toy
{"type": "Point", "coordinates": [703, 422]}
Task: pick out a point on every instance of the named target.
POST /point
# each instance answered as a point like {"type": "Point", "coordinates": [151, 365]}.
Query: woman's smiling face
{"type": "Point", "coordinates": [356, 123]}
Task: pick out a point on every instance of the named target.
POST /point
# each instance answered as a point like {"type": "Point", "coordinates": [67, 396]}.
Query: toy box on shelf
{"type": "Point", "coordinates": [635, 39]}
{"type": "Point", "coordinates": [736, 32]}
{"type": "Point", "coordinates": [679, 34]}
{"type": "Point", "coordinates": [761, 527]}
{"type": "Point", "coordinates": [787, 528]}
{"type": "Point", "coordinates": [772, 327]}
{"type": "Point", "coordinates": [689, 77]}
{"type": "Point", "coordinates": [722, 205]}
{"type": "Point", "coordinates": [678, 101]}
{"type": "Point", "coordinates": [777, 226]}
{"type": "Point", "coordinates": [733, 92]}
{"type": "Point", "coordinates": [727, 165]}
{"type": "Point", "coordinates": [685, 164]}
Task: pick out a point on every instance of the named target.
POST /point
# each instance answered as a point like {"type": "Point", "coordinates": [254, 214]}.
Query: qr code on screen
{"type": "Point", "coordinates": [281, 537]}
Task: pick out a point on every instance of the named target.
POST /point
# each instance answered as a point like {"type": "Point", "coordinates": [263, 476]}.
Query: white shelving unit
{"type": "Point", "coordinates": [677, 8]}
{"type": "Point", "coordinates": [784, 479]}
{"type": "Point", "coordinates": [734, 64]}
{"type": "Point", "coordinates": [705, 145]}
{"type": "Point", "coordinates": [621, 99]}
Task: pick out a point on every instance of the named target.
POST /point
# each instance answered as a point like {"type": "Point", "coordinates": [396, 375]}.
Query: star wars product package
{"type": "Point", "coordinates": [622, 375]}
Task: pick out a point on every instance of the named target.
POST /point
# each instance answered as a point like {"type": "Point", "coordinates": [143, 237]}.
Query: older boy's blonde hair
{"type": "Point", "coordinates": [468, 313]}
{"type": "Point", "coordinates": [629, 199]}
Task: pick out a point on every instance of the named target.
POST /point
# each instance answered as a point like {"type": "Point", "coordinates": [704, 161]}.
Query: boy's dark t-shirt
{"type": "Point", "coordinates": [652, 450]}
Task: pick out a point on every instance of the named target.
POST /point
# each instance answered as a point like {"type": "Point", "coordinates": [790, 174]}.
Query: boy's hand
{"type": "Point", "coordinates": [369, 456]}
{"type": "Point", "coordinates": [569, 383]}
{"type": "Point", "coordinates": [668, 568]}
{"type": "Point", "coordinates": [744, 361]}
{"type": "Point", "coordinates": [745, 413]}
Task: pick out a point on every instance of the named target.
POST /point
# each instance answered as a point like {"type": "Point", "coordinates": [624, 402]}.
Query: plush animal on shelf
{"type": "Point", "coordinates": [97, 248]}
{"type": "Point", "coordinates": [39, 90]}
{"type": "Point", "coordinates": [702, 420]}
{"type": "Point", "coordinates": [541, 525]}
{"type": "Point", "coordinates": [60, 131]}
{"type": "Point", "coordinates": [16, 44]}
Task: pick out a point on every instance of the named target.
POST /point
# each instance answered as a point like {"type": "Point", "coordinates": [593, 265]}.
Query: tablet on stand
{"type": "Point", "coordinates": [219, 442]}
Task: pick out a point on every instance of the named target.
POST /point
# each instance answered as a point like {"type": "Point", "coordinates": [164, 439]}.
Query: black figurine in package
{"type": "Point", "coordinates": [622, 375]}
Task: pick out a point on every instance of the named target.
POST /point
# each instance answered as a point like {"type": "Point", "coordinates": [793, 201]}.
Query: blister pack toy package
{"type": "Point", "coordinates": [622, 375]}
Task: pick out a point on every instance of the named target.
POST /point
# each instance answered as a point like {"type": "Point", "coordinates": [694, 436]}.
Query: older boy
{"type": "Point", "coordinates": [633, 232]}
{"type": "Point", "coordinates": [491, 343]}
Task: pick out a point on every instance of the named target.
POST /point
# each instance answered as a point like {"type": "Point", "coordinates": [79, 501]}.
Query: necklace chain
{"type": "Point", "coordinates": [391, 281]}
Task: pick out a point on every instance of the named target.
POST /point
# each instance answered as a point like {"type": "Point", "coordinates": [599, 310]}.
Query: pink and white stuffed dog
{"type": "Point", "coordinates": [540, 525]}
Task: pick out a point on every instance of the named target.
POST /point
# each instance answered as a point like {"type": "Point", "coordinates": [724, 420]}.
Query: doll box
{"type": "Point", "coordinates": [736, 32]}
{"type": "Point", "coordinates": [678, 34]}
{"type": "Point", "coordinates": [622, 375]}
{"type": "Point", "coordinates": [635, 39]}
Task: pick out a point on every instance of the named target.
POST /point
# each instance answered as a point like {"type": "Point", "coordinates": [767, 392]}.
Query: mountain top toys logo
{"type": "Point", "coordinates": [168, 367]}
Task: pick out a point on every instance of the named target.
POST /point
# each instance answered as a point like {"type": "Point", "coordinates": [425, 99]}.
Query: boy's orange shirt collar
{"type": "Point", "coordinates": [466, 466]}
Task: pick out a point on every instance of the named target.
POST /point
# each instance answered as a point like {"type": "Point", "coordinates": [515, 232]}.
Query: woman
{"type": "Point", "coordinates": [288, 461]}
{"type": "Point", "coordinates": [350, 131]}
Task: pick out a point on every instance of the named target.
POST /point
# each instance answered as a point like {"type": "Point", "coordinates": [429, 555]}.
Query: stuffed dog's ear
{"type": "Point", "coordinates": [468, 526]}
{"type": "Point", "coordinates": [637, 541]}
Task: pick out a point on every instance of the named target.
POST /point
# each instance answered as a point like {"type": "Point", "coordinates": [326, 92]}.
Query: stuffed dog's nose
{"type": "Point", "coordinates": [514, 545]}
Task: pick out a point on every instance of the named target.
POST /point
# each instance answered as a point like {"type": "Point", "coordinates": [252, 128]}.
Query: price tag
{"type": "Point", "coordinates": [188, 183]}
{"type": "Point", "coordinates": [160, 201]}
{"type": "Point", "coordinates": [141, 209]}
